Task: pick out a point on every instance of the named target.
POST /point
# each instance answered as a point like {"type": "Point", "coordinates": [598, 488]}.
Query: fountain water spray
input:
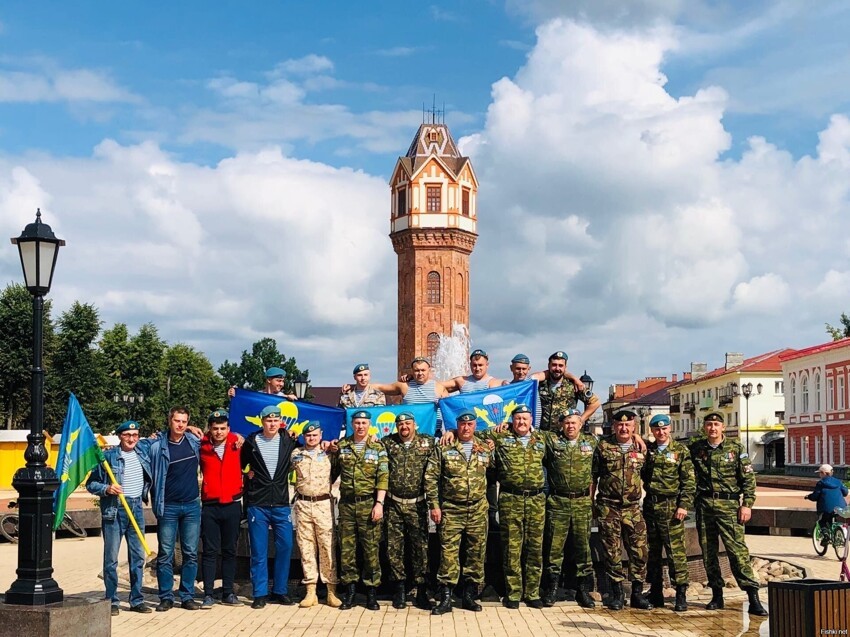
{"type": "Point", "coordinates": [452, 356]}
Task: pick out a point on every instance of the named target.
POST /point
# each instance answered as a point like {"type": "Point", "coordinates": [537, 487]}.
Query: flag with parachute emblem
{"type": "Point", "coordinates": [383, 418]}
{"type": "Point", "coordinates": [79, 454]}
{"type": "Point", "coordinates": [493, 406]}
{"type": "Point", "coordinates": [246, 406]}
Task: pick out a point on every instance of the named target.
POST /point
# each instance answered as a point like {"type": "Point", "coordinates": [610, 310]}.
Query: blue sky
{"type": "Point", "coordinates": [665, 168]}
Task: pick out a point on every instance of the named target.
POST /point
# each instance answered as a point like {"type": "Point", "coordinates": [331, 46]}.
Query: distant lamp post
{"type": "Point", "coordinates": [130, 402]}
{"type": "Point", "coordinates": [299, 386]}
{"type": "Point", "coordinates": [643, 412]}
{"type": "Point", "coordinates": [746, 392]}
{"type": "Point", "coordinates": [36, 482]}
{"type": "Point", "coordinates": [587, 381]}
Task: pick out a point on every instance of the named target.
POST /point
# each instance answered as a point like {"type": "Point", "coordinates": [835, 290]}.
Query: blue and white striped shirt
{"type": "Point", "coordinates": [270, 451]}
{"type": "Point", "coordinates": [133, 481]}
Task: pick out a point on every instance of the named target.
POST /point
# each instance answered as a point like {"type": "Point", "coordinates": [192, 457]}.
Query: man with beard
{"type": "Point", "coordinates": [558, 391]}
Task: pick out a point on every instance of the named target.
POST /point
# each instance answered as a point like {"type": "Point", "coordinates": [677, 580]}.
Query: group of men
{"type": "Point", "coordinates": [547, 483]}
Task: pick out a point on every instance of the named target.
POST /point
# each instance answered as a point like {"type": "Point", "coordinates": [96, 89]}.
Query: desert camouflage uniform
{"type": "Point", "coordinates": [618, 493]}
{"type": "Point", "coordinates": [371, 398]}
{"type": "Point", "coordinates": [668, 477]}
{"type": "Point", "coordinates": [724, 482]}
{"type": "Point", "coordinates": [314, 523]}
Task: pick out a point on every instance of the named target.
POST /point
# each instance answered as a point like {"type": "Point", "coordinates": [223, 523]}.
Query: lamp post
{"type": "Point", "coordinates": [299, 386]}
{"type": "Point", "coordinates": [130, 402]}
{"type": "Point", "coordinates": [36, 482]}
{"type": "Point", "coordinates": [643, 412]}
{"type": "Point", "coordinates": [586, 394]}
{"type": "Point", "coordinates": [747, 391]}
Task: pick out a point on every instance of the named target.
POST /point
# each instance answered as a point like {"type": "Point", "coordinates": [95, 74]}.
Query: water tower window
{"type": "Point", "coordinates": [465, 202]}
{"type": "Point", "coordinates": [432, 344]}
{"type": "Point", "coordinates": [401, 202]}
{"type": "Point", "coordinates": [433, 288]}
{"type": "Point", "coordinates": [433, 199]}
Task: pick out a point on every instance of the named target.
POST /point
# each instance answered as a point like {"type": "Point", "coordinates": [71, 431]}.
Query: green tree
{"type": "Point", "coordinates": [113, 353]}
{"type": "Point", "coordinates": [251, 370]}
{"type": "Point", "coordinates": [842, 331]}
{"type": "Point", "coordinates": [188, 379]}
{"type": "Point", "coordinates": [142, 376]}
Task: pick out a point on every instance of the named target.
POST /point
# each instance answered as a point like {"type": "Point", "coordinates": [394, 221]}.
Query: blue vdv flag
{"type": "Point", "coordinates": [383, 418]}
{"type": "Point", "coordinates": [246, 405]}
{"type": "Point", "coordinates": [493, 406]}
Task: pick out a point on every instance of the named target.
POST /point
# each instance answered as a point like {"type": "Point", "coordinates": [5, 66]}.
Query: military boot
{"type": "Point", "coordinates": [310, 598]}
{"type": "Point", "coordinates": [399, 595]}
{"type": "Point", "coordinates": [755, 603]}
{"type": "Point", "coordinates": [372, 598]}
{"type": "Point", "coordinates": [349, 590]}
{"type": "Point", "coordinates": [444, 601]}
{"type": "Point", "coordinates": [615, 599]}
{"type": "Point", "coordinates": [656, 595]}
{"type": "Point", "coordinates": [422, 600]}
{"type": "Point", "coordinates": [550, 593]}
{"type": "Point", "coordinates": [333, 600]}
{"type": "Point", "coordinates": [681, 598]}
{"type": "Point", "coordinates": [583, 598]}
{"type": "Point", "coordinates": [637, 599]}
{"type": "Point", "coordinates": [716, 602]}
{"type": "Point", "coordinates": [470, 592]}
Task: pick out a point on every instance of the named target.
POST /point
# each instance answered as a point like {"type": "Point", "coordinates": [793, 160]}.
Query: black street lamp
{"type": "Point", "coordinates": [130, 402]}
{"type": "Point", "coordinates": [36, 482]}
{"type": "Point", "coordinates": [299, 386]}
{"type": "Point", "coordinates": [746, 392]}
{"type": "Point", "coordinates": [643, 412]}
{"type": "Point", "coordinates": [586, 394]}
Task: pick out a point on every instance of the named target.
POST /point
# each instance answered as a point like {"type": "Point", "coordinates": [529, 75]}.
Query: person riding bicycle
{"type": "Point", "coordinates": [829, 493]}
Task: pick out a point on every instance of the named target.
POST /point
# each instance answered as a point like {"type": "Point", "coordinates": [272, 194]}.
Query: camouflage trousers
{"type": "Point", "coordinates": [463, 531]}
{"type": "Point", "coordinates": [665, 533]}
{"type": "Point", "coordinates": [562, 516]}
{"type": "Point", "coordinates": [719, 519]}
{"type": "Point", "coordinates": [356, 527]}
{"type": "Point", "coordinates": [521, 523]}
{"type": "Point", "coordinates": [407, 533]}
{"type": "Point", "coordinates": [314, 531]}
{"type": "Point", "coordinates": [622, 522]}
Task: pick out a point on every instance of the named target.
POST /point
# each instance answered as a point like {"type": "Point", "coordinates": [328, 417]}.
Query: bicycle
{"type": "Point", "coordinates": [844, 575]}
{"type": "Point", "coordinates": [9, 525]}
{"type": "Point", "coordinates": [834, 536]}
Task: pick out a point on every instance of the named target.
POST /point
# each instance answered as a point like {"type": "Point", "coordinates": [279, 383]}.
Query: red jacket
{"type": "Point", "coordinates": [222, 476]}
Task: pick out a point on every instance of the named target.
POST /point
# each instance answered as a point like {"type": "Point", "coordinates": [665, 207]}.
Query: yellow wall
{"type": "Point", "coordinates": [12, 459]}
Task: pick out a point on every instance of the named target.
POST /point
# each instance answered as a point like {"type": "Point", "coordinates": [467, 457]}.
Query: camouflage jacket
{"type": "Point", "coordinates": [726, 469]}
{"type": "Point", "coordinates": [617, 474]}
{"type": "Point", "coordinates": [518, 466]}
{"type": "Point", "coordinates": [361, 473]}
{"type": "Point", "coordinates": [407, 464]}
{"type": "Point", "coordinates": [555, 402]}
{"type": "Point", "coordinates": [371, 398]}
{"type": "Point", "coordinates": [569, 466]}
{"type": "Point", "coordinates": [670, 473]}
{"type": "Point", "coordinates": [450, 476]}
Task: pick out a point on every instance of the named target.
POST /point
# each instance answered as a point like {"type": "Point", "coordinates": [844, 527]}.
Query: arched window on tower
{"type": "Point", "coordinates": [432, 344]}
{"type": "Point", "coordinates": [460, 292]}
{"type": "Point", "coordinates": [433, 288]}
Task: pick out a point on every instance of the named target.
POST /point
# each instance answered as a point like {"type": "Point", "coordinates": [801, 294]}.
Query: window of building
{"type": "Point", "coordinates": [830, 394]}
{"type": "Point", "coordinates": [433, 136]}
{"type": "Point", "coordinates": [817, 393]}
{"type": "Point", "coordinates": [793, 451]}
{"type": "Point", "coordinates": [433, 288]}
{"type": "Point", "coordinates": [830, 441]}
{"type": "Point", "coordinates": [780, 416]}
{"type": "Point", "coordinates": [778, 387]}
{"type": "Point", "coordinates": [793, 395]}
{"type": "Point", "coordinates": [804, 394]}
{"type": "Point", "coordinates": [841, 392]}
{"type": "Point", "coordinates": [432, 195]}
{"type": "Point", "coordinates": [736, 419]}
{"type": "Point", "coordinates": [432, 344]}
{"type": "Point", "coordinates": [464, 202]}
{"type": "Point", "coordinates": [842, 457]}
{"type": "Point", "coordinates": [401, 202]}
{"type": "Point", "coordinates": [804, 452]}
{"type": "Point", "coordinates": [460, 293]}
{"type": "Point", "coordinates": [817, 450]}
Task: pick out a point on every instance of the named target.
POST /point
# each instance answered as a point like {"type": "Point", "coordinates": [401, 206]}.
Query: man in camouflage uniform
{"type": "Point", "coordinates": [522, 506]}
{"type": "Point", "coordinates": [314, 520]}
{"type": "Point", "coordinates": [406, 509]}
{"type": "Point", "coordinates": [668, 478]}
{"type": "Point", "coordinates": [557, 391]}
{"type": "Point", "coordinates": [617, 463]}
{"type": "Point", "coordinates": [362, 393]}
{"type": "Point", "coordinates": [569, 508]}
{"type": "Point", "coordinates": [363, 474]}
{"type": "Point", "coordinates": [455, 481]}
{"type": "Point", "coordinates": [726, 491]}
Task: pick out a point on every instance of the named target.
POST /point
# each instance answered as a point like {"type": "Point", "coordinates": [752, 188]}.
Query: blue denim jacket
{"type": "Point", "coordinates": [156, 451]}
{"type": "Point", "coordinates": [98, 481]}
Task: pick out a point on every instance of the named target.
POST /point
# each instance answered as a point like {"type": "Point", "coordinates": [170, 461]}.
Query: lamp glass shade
{"type": "Point", "coordinates": [587, 380]}
{"type": "Point", "coordinates": [300, 387]}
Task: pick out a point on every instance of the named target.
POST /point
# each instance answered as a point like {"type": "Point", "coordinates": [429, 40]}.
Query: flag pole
{"type": "Point", "coordinates": [130, 515]}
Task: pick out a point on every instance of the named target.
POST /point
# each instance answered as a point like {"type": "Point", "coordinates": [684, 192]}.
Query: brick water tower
{"type": "Point", "coordinates": [433, 230]}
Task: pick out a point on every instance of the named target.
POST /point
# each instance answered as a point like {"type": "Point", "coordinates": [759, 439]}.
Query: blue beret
{"type": "Point", "coordinates": [270, 410]}
{"type": "Point", "coordinates": [568, 413]}
{"type": "Point", "coordinates": [127, 425]}
{"type": "Point", "coordinates": [625, 415]}
{"type": "Point", "coordinates": [274, 372]}
{"type": "Point", "coordinates": [218, 414]}
{"type": "Point", "coordinates": [479, 352]}
{"type": "Point", "coordinates": [361, 414]}
{"type": "Point", "coordinates": [467, 416]}
{"type": "Point", "coordinates": [713, 417]}
{"type": "Point", "coordinates": [420, 359]}
{"type": "Point", "coordinates": [403, 416]}
{"type": "Point", "coordinates": [362, 367]}
{"type": "Point", "coordinates": [660, 420]}
{"type": "Point", "coordinates": [521, 358]}
{"type": "Point", "coordinates": [520, 409]}
{"type": "Point", "coordinates": [559, 354]}
{"type": "Point", "coordinates": [313, 425]}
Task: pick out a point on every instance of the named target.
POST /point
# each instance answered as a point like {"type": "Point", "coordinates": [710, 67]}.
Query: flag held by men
{"type": "Point", "coordinates": [493, 406]}
{"type": "Point", "coordinates": [79, 454]}
{"type": "Point", "coordinates": [383, 418]}
{"type": "Point", "coordinates": [246, 406]}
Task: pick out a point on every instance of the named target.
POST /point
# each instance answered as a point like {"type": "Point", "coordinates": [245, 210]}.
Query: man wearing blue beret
{"type": "Point", "coordinates": [362, 393]}
{"type": "Point", "coordinates": [275, 380]}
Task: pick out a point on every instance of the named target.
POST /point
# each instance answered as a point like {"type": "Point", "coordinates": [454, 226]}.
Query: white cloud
{"type": "Point", "coordinates": [52, 84]}
{"type": "Point", "coordinates": [307, 65]}
{"type": "Point", "coordinates": [398, 51]}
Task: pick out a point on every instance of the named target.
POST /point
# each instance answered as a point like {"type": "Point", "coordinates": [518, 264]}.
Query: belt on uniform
{"type": "Point", "coordinates": [718, 495]}
{"type": "Point", "coordinates": [522, 492]}
{"type": "Point", "coordinates": [399, 500]}
{"type": "Point", "coordinates": [315, 498]}
{"type": "Point", "coordinates": [653, 498]}
{"type": "Point", "coordinates": [571, 494]}
{"type": "Point", "coordinates": [460, 503]}
{"type": "Point", "coordinates": [356, 498]}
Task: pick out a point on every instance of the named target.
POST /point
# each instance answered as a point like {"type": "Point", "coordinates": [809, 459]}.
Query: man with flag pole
{"type": "Point", "coordinates": [125, 476]}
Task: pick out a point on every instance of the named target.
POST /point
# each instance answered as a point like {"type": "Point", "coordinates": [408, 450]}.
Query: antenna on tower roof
{"type": "Point", "coordinates": [434, 115]}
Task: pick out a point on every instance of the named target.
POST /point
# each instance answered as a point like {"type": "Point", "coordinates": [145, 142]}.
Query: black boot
{"type": "Point", "coordinates": [615, 600]}
{"type": "Point", "coordinates": [372, 598]}
{"type": "Point", "coordinates": [399, 595]}
{"type": "Point", "coordinates": [583, 598]}
{"type": "Point", "coordinates": [348, 596]}
{"type": "Point", "coordinates": [681, 598]}
{"type": "Point", "coordinates": [550, 592]}
{"type": "Point", "coordinates": [444, 601]}
{"type": "Point", "coordinates": [470, 591]}
{"type": "Point", "coordinates": [656, 595]}
{"type": "Point", "coordinates": [755, 603]}
{"type": "Point", "coordinates": [422, 600]}
{"type": "Point", "coordinates": [637, 599]}
{"type": "Point", "coordinates": [716, 602]}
